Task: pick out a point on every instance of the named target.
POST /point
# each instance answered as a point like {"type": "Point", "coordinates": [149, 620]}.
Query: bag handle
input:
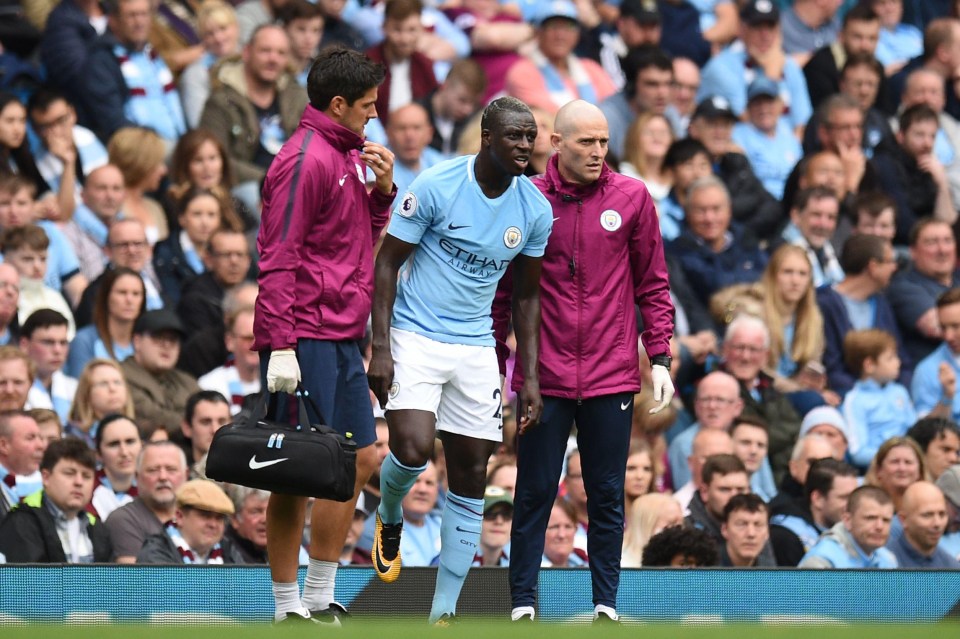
{"type": "Point", "coordinates": [262, 409]}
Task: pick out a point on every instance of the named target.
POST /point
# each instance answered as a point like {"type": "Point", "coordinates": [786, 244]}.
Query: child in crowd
{"type": "Point", "coordinates": [686, 161]}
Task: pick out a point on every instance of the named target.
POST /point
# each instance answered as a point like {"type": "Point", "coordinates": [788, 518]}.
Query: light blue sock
{"type": "Point", "coordinates": [459, 541]}
{"type": "Point", "coordinates": [395, 482]}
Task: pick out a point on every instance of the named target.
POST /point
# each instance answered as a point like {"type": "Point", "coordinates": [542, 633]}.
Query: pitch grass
{"type": "Point", "coordinates": [475, 629]}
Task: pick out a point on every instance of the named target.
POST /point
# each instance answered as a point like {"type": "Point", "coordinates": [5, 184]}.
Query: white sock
{"type": "Point", "coordinates": [318, 586]}
{"type": "Point", "coordinates": [287, 598]}
{"type": "Point", "coordinates": [522, 611]}
{"type": "Point", "coordinates": [607, 610]}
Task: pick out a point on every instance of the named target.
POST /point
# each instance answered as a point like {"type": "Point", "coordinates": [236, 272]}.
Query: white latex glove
{"type": "Point", "coordinates": [662, 388]}
{"type": "Point", "coordinates": [283, 372]}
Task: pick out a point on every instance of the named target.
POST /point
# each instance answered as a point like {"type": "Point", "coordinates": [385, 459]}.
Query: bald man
{"type": "Point", "coordinates": [923, 513]}
{"type": "Point", "coordinates": [408, 135]}
{"type": "Point", "coordinates": [605, 254]}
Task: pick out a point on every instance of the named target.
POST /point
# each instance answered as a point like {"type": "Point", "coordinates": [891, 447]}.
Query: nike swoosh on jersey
{"type": "Point", "coordinates": [343, 179]}
{"type": "Point", "coordinates": [625, 406]}
{"type": "Point", "coordinates": [257, 465]}
{"type": "Point", "coordinates": [464, 530]}
{"type": "Point", "coordinates": [454, 227]}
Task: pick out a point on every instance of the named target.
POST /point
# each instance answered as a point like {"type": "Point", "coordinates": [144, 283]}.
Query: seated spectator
{"type": "Point", "coordinates": [552, 75]}
{"type": "Point", "coordinates": [934, 387]}
{"type": "Point", "coordinates": [875, 214]}
{"type": "Point", "coordinates": [101, 200]}
{"type": "Point", "coordinates": [790, 493]}
{"type": "Point", "coordinates": [858, 35]}
{"type": "Point", "coordinates": [639, 479]}
{"type": "Point", "coordinates": [494, 547]}
{"type": "Point", "coordinates": [813, 221]}
{"type": "Point", "coordinates": [941, 55]}
{"type": "Point", "coordinates": [939, 438]}
{"type": "Point", "coordinates": [949, 483]}
{"type": "Point", "coordinates": [408, 136]}
{"type": "Point", "coordinates": [858, 540]}
{"type": "Point", "coordinates": [455, 101]}
{"type": "Point", "coordinates": [647, 141]}
{"type": "Point", "coordinates": [877, 407]}
{"type": "Point", "coordinates": [9, 297]}
{"type": "Point", "coordinates": [862, 79]}
{"type": "Point", "coordinates": [420, 543]}
{"type": "Point", "coordinates": [680, 547]}
{"type": "Point", "coordinates": [118, 446]}
{"type": "Point", "coordinates": [119, 302]}
{"type": "Point", "coordinates": [139, 154]}
{"type": "Point", "coordinates": [16, 157]}
{"type": "Point", "coordinates": [503, 474]}
{"type": "Point", "coordinates": [50, 526]}
{"type": "Point", "coordinates": [683, 97]}
{"type": "Point", "coordinates": [825, 493]}
{"type": "Point", "coordinates": [912, 175]}
{"type": "Point", "coordinates": [713, 251]}
{"type": "Point", "coordinates": [827, 422]}
{"type": "Point", "coordinates": [206, 412]}
{"type": "Point", "coordinates": [750, 442]}
{"type": "Point", "coordinates": [16, 378]}
{"type": "Point", "coordinates": [194, 536]}
{"type": "Point", "coordinates": [245, 540]}
{"type": "Point", "coordinates": [745, 531]}
{"type": "Point", "coordinates": [161, 470]}
{"type": "Point", "coordinates": [159, 390]}
{"type": "Point", "coordinates": [205, 349]}
{"type": "Point", "coordinates": [180, 258]}
{"type": "Point", "coordinates": [857, 303]}
{"type": "Point", "coordinates": [239, 377]}
{"type": "Point", "coordinates": [21, 451]}
{"type": "Point", "coordinates": [51, 428]}
{"type": "Point", "coordinates": [558, 546]}
{"type": "Point", "coordinates": [220, 36]}
{"type": "Point", "coordinates": [303, 22]}
{"type": "Point", "coordinates": [228, 261]}
{"type": "Point", "coordinates": [101, 391]}
{"type": "Point", "coordinates": [126, 246]}
{"type": "Point", "coordinates": [126, 82]}
{"type": "Point", "coordinates": [686, 161]}
{"type": "Point", "coordinates": [44, 338]}
{"type": "Point", "coordinates": [25, 249]}
{"type": "Point", "coordinates": [646, 517]}
{"type": "Point", "coordinates": [898, 463]}
{"type": "Point", "coordinates": [766, 138]}
{"type": "Point", "coordinates": [575, 494]}
{"type": "Point", "coordinates": [899, 42]}
{"type": "Point", "coordinates": [923, 515]}
{"type": "Point", "coordinates": [706, 444]}
{"type": "Point", "coordinates": [255, 104]}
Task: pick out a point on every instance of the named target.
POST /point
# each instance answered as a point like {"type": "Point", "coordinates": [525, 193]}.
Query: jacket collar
{"type": "Point", "coordinates": [557, 185]}
{"type": "Point", "coordinates": [336, 134]}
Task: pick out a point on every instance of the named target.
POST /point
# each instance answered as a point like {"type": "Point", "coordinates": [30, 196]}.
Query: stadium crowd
{"type": "Point", "coordinates": [804, 158]}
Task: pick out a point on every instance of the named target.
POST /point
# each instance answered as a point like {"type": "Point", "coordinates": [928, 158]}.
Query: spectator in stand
{"type": "Point", "coordinates": [558, 547]}
{"type": "Point", "coordinates": [647, 141]}
{"type": "Point", "coordinates": [17, 159]}
{"type": "Point", "coordinates": [494, 547]}
{"type": "Point", "coordinates": [205, 413]}
{"type": "Point", "coordinates": [828, 423]}
{"type": "Point", "coordinates": [139, 154]}
{"type": "Point", "coordinates": [206, 349]}
{"type": "Point", "coordinates": [898, 463]}
{"type": "Point", "coordinates": [551, 75]}
{"type": "Point", "coordinates": [21, 451]}
{"type": "Point", "coordinates": [194, 535]}
{"type": "Point", "coordinates": [101, 199]}
{"type": "Point", "coordinates": [858, 35]}
{"type": "Point", "coordinates": [126, 82]}
{"type": "Point", "coordinates": [25, 248]}
{"type": "Point", "coordinates": [161, 470]}
{"type": "Point", "coordinates": [638, 25]}
{"type": "Point", "coordinates": [118, 445]}
{"type": "Point", "coordinates": [51, 428]}
{"type": "Point", "coordinates": [647, 516]}
{"type": "Point", "coordinates": [686, 161]}
{"type": "Point", "coordinates": [807, 26]}
{"type": "Point", "coordinates": [228, 261]}
{"type": "Point", "coordinates": [857, 541]}
{"type": "Point", "coordinates": [503, 474]}
{"type": "Point", "coordinates": [101, 391]}
{"type": "Point", "coordinates": [303, 22]}
{"type": "Point", "coordinates": [751, 437]}
{"type": "Point", "coordinates": [420, 543]}
{"type": "Point", "coordinates": [813, 222]}
{"type": "Point", "coordinates": [923, 516]}
{"type": "Point", "coordinates": [746, 532]}
{"type": "Point", "coordinates": [939, 438]}
{"type": "Point", "coordinates": [934, 386]}
{"type": "Point", "coordinates": [119, 302]}
{"type": "Point", "coordinates": [680, 547]}
{"type": "Point", "coordinates": [875, 214]}
{"type": "Point", "coordinates": [408, 136]}
{"type": "Point", "coordinates": [718, 21]}
{"type": "Point", "coordinates": [683, 97]}
{"type": "Point", "coordinates": [949, 483]}
{"type": "Point", "coordinates": [941, 55]}
{"type": "Point", "coordinates": [220, 35]}
{"type": "Point", "coordinates": [706, 443]}
{"type": "Point", "coordinates": [245, 540]}
{"type": "Point", "coordinates": [43, 337]}
{"type": "Point", "coordinates": [9, 297]}
{"type": "Point", "coordinates": [50, 525]}
{"type": "Point", "coordinates": [899, 42]}
{"type": "Point", "coordinates": [239, 377]}
{"type": "Point", "coordinates": [160, 391]}
{"type": "Point", "coordinates": [454, 102]}
{"type": "Point", "coordinates": [16, 378]}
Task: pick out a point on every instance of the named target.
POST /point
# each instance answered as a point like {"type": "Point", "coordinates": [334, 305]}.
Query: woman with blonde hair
{"type": "Point", "coordinates": [647, 516]}
{"type": "Point", "coordinates": [898, 463]}
{"type": "Point", "coordinates": [644, 150]}
{"type": "Point", "coordinates": [220, 36]}
{"type": "Point", "coordinates": [101, 391]}
{"type": "Point", "coordinates": [139, 153]}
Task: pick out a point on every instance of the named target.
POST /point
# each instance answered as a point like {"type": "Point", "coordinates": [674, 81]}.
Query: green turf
{"type": "Point", "coordinates": [489, 630]}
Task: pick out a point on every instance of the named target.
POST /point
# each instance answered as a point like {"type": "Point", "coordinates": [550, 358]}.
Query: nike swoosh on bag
{"type": "Point", "coordinates": [257, 465]}
{"type": "Point", "coordinates": [625, 406]}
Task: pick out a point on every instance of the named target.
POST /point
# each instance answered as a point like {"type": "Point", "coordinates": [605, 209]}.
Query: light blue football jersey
{"type": "Point", "coordinates": [466, 240]}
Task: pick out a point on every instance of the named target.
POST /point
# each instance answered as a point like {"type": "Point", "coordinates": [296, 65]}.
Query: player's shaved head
{"type": "Point", "coordinates": [576, 115]}
{"type": "Point", "coordinates": [501, 109]}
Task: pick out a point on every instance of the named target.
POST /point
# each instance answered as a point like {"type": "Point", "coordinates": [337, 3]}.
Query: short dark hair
{"type": "Point", "coordinates": [822, 473]}
{"type": "Point", "coordinates": [949, 297]}
{"type": "Point", "coordinates": [920, 226]}
{"type": "Point", "coordinates": [494, 113]}
{"type": "Point", "coordinates": [750, 502]}
{"type": "Point", "coordinates": [212, 396]}
{"type": "Point", "coordinates": [344, 72]}
{"type": "Point", "coordinates": [750, 420]}
{"type": "Point", "coordinates": [862, 12]}
{"type": "Point", "coordinates": [298, 10]}
{"type": "Point", "coordinates": [682, 151]}
{"type": "Point", "coordinates": [873, 203]}
{"type": "Point", "coordinates": [102, 427]}
{"type": "Point", "coordinates": [805, 196]}
{"type": "Point", "coordinates": [916, 114]}
{"type": "Point", "coordinates": [931, 429]}
{"type": "Point", "coordinates": [677, 540]}
{"type": "Point", "coordinates": [864, 344]}
{"type": "Point", "coordinates": [68, 448]}
{"type": "Point", "coordinates": [43, 98]}
{"type": "Point", "coordinates": [30, 236]}
{"type": "Point", "coordinates": [862, 59]}
{"type": "Point", "coordinates": [859, 250]}
{"type": "Point", "coordinates": [42, 318]}
{"type": "Point", "coordinates": [402, 9]}
{"type": "Point", "coordinates": [640, 59]}
{"type": "Point", "coordinates": [722, 464]}
{"type": "Point", "coordinates": [875, 493]}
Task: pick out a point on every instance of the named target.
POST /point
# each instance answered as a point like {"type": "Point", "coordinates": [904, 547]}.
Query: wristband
{"type": "Point", "coordinates": [661, 360]}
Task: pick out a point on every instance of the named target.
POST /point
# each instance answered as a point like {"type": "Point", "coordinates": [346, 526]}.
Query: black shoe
{"type": "Point", "coordinates": [296, 619]}
{"type": "Point", "coordinates": [334, 615]}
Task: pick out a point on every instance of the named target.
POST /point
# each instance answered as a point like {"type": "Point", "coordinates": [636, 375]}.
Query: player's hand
{"type": "Point", "coordinates": [380, 375]}
{"type": "Point", "coordinates": [662, 388]}
{"type": "Point", "coordinates": [529, 406]}
{"type": "Point", "coordinates": [380, 160]}
{"type": "Point", "coordinates": [283, 371]}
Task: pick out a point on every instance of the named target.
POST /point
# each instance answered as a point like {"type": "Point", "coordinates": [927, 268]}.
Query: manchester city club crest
{"type": "Point", "coordinates": [408, 205]}
{"type": "Point", "coordinates": [394, 389]}
{"type": "Point", "coordinates": [610, 220]}
{"type": "Point", "coordinates": [512, 237]}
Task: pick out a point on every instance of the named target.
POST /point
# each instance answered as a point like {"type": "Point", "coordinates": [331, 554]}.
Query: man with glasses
{"type": "Point", "coordinates": [228, 262]}
{"type": "Point", "coordinates": [683, 96]}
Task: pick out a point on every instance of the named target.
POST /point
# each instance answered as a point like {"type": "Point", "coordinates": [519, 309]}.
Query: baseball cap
{"type": "Point", "coordinates": [949, 483]}
{"type": "Point", "coordinates": [495, 495]}
{"type": "Point", "coordinates": [203, 494]}
{"type": "Point", "coordinates": [824, 415]}
{"type": "Point", "coordinates": [157, 322]}
{"type": "Point", "coordinates": [643, 11]}
{"type": "Point", "coordinates": [760, 12]}
{"type": "Point", "coordinates": [555, 9]}
{"type": "Point", "coordinates": [762, 86]}
{"type": "Point", "coordinates": [713, 108]}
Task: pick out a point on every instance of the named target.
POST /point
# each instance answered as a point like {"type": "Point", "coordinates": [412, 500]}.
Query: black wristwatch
{"type": "Point", "coordinates": [661, 360]}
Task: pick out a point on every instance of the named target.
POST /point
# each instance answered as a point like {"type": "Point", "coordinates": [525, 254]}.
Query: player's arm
{"type": "Point", "coordinates": [393, 253]}
{"type": "Point", "coordinates": [526, 325]}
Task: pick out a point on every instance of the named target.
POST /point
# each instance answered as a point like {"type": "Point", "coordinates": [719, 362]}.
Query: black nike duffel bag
{"type": "Point", "coordinates": [309, 460]}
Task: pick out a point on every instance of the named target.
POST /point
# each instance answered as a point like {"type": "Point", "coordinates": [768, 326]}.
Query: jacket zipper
{"type": "Point", "coordinates": [576, 284]}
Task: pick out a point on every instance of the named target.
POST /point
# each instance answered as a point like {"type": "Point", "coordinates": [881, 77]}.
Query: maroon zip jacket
{"type": "Point", "coordinates": [605, 253]}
